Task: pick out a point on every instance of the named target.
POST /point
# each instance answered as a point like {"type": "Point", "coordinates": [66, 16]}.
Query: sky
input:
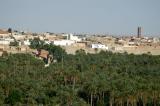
{"type": "Point", "coordinates": [82, 16]}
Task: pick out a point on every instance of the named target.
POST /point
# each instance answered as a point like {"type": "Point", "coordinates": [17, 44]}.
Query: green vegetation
{"type": "Point", "coordinates": [102, 79]}
{"type": "Point", "coordinates": [56, 51]}
{"type": "Point", "coordinates": [9, 30]}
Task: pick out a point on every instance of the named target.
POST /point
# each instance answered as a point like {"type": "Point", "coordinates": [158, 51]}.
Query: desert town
{"type": "Point", "coordinates": [13, 41]}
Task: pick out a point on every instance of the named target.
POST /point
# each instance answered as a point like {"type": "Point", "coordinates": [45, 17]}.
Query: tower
{"type": "Point", "coordinates": [139, 31]}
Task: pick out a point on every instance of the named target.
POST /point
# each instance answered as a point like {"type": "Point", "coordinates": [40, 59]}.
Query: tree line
{"type": "Point", "coordinates": [83, 79]}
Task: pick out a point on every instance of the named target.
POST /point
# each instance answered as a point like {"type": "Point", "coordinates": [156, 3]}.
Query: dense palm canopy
{"type": "Point", "coordinates": [102, 79]}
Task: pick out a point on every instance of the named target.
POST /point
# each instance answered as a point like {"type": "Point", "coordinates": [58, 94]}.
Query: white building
{"type": "Point", "coordinates": [27, 42]}
{"type": "Point", "coordinates": [6, 41]}
{"type": "Point", "coordinates": [3, 42]}
{"type": "Point", "coordinates": [131, 43]}
{"type": "Point", "coordinates": [63, 42]}
{"type": "Point", "coordinates": [118, 48]}
{"type": "Point", "coordinates": [19, 37]}
{"type": "Point", "coordinates": [72, 37]}
{"type": "Point", "coordinates": [99, 46]}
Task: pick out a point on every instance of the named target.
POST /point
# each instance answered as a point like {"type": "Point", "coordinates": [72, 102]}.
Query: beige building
{"type": "Point", "coordinates": [4, 34]}
{"type": "Point", "coordinates": [80, 44]}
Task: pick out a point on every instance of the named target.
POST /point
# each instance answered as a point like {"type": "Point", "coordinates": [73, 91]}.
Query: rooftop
{"type": "Point", "coordinates": [3, 32]}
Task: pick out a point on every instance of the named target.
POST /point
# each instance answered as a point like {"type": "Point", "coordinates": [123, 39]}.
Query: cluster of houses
{"type": "Point", "coordinates": [63, 39]}
{"type": "Point", "coordinates": [19, 42]}
{"type": "Point", "coordinates": [134, 41]}
{"type": "Point", "coordinates": [13, 42]}
{"type": "Point", "coordinates": [22, 39]}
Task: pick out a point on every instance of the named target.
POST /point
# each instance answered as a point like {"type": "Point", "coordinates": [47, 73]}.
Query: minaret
{"type": "Point", "coordinates": [139, 31]}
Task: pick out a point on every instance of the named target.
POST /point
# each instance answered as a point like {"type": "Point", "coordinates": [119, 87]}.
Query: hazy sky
{"type": "Point", "coordinates": [81, 16]}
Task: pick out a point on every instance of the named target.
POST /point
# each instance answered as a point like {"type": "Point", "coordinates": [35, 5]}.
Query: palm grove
{"type": "Point", "coordinates": [101, 79]}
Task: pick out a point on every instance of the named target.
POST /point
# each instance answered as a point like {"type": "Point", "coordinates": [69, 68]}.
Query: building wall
{"type": "Point", "coordinates": [63, 42]}
{"type": "Point", "coordinates": [4, 35]}
{"type": "Point", "coordinates": [4, 42]}
{"type": "Point", "coordinates": [99, 46]}
{"type": "Point", "coordinates": [80, 45]}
